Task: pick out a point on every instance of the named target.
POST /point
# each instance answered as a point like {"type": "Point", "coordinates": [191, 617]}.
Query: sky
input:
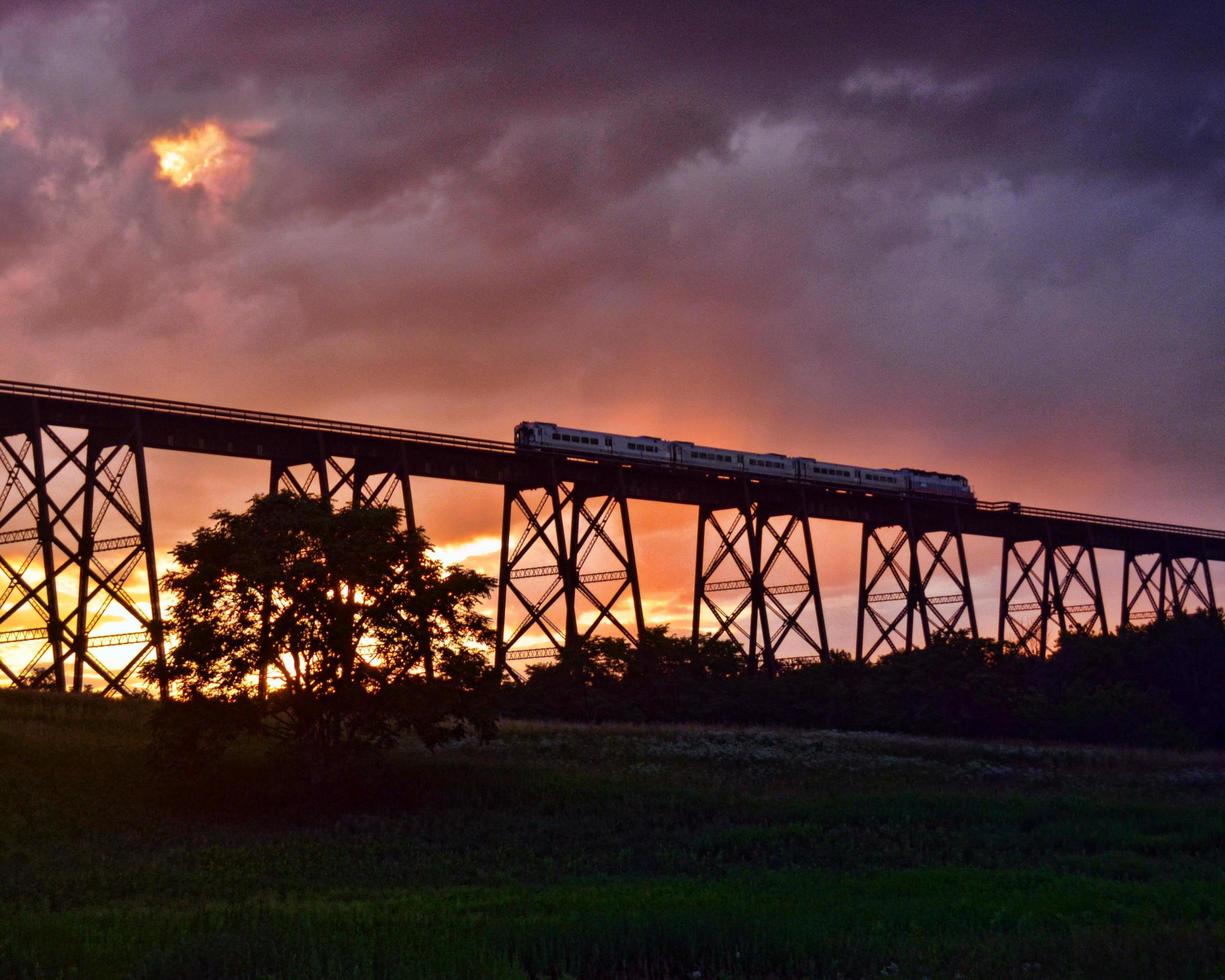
{"type": "Point", "coordinates": [986, 239]}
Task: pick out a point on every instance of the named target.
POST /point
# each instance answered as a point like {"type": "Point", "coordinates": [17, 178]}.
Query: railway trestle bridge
{"type": "Point", "coordinates": [75, 527]}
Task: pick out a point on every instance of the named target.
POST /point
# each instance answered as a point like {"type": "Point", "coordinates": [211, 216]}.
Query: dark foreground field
{"type": "Point", "coordinates": [577, 851]}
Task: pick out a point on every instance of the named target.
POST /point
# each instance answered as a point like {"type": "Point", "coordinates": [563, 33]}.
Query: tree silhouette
{"type": "Point", "coordinates": [330, 626]}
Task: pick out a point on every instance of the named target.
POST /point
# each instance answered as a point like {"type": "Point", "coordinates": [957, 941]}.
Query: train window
{"type": "Point", "coordinates": [608, 440]}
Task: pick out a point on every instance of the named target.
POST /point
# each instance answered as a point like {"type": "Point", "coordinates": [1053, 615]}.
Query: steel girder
{"type": "Point", "coordinates": [567, 565]}
{"type": "Point", "coordinates": [71, 539]}
{"type": "Point", "coordinates": [345, 480]}
{"type": "Point", "coordinates": [758, 565]}
{"type": "Point", "coordinates": [1045, 585]}
{"type": "Point", "coordinates": [911, 574]}
{"type": "Point", "coordinates": [1159, 585]}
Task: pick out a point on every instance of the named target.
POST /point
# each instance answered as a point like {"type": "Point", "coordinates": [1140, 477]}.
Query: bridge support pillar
{"type": "Point", "coordinates": [909, 575]}
{"type": "Point", "coordinates": [727, 580]}
{"type": "Point", "coordinates": [789, 596]}
{"type": "Point", "coordinates": [567, 571]}
{"type": "Point", "coordinates": [760, 566]}
{"type": "Point", "coordinates": [1047, 590]}
{"type": "Point", "coordinates": [1160, 585]}
{"type": "Point", "coordinates": [75, 529]}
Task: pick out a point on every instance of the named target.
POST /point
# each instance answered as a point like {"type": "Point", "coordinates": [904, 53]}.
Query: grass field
{"type": "Point", "coordinates": [622, 852]}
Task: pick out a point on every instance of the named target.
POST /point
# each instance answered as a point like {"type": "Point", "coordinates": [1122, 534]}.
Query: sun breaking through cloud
{"type": "Point", "coordinates": [205, 155]}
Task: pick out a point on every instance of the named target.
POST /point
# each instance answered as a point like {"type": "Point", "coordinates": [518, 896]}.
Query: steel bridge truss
{"type": "Point", "coordinates": [76, 541]}
{"type": "Point", "coordinates": [910, 575]}
{"type": "Point", "coordinates": [1159, 585]}
{"type": "Point", "coordinates": [75, 537]}
{"type": "Point", "coordinates": [567, 571]}
{"type": "Point", "coordinates": [1047, 590]}
{"type": "Point", "coordinates": [755, 574]}
{"type": "Point", "coordinates": [344, 480]}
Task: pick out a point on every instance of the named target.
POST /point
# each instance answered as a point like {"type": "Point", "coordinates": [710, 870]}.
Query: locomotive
{"type": "Point", "coordinates": [547, 437]}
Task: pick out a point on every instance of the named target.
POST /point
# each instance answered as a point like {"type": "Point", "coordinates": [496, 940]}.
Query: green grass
{"type": "Point", "coordinates": [563, 850]}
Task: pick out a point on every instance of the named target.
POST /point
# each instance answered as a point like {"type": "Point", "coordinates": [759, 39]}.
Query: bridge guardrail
{"type": "Point", "coordinates": [195, 410]}
{"type": "Point", "coordinates": [1011, 507]}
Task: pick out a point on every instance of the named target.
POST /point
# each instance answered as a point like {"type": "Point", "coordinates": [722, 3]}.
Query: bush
{"type": "Point", "coordinates": [1161, 685]}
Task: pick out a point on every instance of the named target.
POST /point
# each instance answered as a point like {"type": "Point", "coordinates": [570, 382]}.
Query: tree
{"type": "Point", "coordinates": [332, 627]}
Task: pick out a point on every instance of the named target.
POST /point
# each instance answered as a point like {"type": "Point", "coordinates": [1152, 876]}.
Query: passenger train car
{"type": "Point", "coordinates": [547, 437]}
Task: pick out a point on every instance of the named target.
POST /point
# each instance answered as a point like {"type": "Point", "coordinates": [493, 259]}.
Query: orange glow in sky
{"type": "Point", "coordinates": [204, 155]}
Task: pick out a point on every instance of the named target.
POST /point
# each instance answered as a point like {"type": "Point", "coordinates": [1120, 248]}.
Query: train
{"type": "Point", "coordinates": [548, 437]}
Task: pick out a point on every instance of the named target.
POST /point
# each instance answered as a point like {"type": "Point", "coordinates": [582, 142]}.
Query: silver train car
{"type": "Point", "coordinates": [548, 437]}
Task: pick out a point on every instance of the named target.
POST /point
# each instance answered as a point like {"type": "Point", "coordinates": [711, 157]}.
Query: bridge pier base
{"type": "Point", "coordinates": [911, 574]}
{"type": "Point", "coordinates": [727, 581]}
{"type": "Point", "coordinates": [74, 529]}
{"type": "Point", "coordinates": [1164, 585]}
{"type": "Point", "coordinates": [567, 568]}
{"type": "Point", "coordinates": [1044, 585]}
{"type": "Point", "coordinates": [789, 593]}
{"type": "Point", "coordinates": [763, 560]}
